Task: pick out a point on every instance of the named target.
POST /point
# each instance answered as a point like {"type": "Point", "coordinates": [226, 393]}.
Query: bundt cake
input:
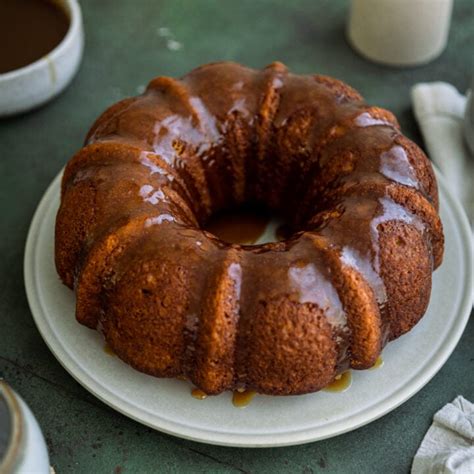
{"type": "Point", "coordinates": [173, 300]}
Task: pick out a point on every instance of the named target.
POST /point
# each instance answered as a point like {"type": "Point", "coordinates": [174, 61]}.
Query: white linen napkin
{"type": "Point", "coordinates": [448, 446]}
{"type": "Point", "coordinates": [439, 109]}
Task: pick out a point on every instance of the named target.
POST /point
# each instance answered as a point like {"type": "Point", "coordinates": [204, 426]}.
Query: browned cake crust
{"type": "Point", "coordinates": [282, 318]}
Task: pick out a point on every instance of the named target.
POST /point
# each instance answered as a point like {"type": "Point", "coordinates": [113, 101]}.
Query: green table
{"type": "Point", "coordinates": [124, 49]}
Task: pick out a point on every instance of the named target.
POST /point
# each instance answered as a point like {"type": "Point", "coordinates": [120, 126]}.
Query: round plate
{"type": "Point", "coordinates": [268, 421]}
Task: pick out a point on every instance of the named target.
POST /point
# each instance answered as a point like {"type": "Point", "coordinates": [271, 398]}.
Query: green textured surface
{"type": "Point", "coordinates": [123, 51]}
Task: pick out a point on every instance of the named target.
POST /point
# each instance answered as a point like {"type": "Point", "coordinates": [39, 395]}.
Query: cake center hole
{"type": "Point", "coordinates": [250, 224]}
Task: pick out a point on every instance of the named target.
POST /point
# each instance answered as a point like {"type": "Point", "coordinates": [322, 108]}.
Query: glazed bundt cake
{"type": "Point", "coordinates": [173, 300]}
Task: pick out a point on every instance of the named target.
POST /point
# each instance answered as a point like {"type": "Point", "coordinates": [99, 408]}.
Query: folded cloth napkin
{"type": "Point", "coordinates": [439, 109]}
{"type": "Point", "coordinates": [448, 446]}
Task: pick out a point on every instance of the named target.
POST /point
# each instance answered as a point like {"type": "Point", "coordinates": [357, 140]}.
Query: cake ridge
{"type": "Point", "coordinates": [404, 196]}
{"type": "Point", "coordinates": [366, 340]}
{"type": "Point", "coordinates": [99, 155]}
{"type": "Point", "coordinates": [343, 123]}
{"type": "Point", "coordinates": [219, 323]}
{"type": "Point", "coordinates": [165, 85]}
{"type": "Point", "coordinates": [366, 258]}
{"type": "Point", "coordinates": [275, 76]}
{"type": "Point", "coordinates": [338, 166]}
{"type": "Point", "coordinates": [106, 117]}
{"type": "Point", "coordinates": [182, 153]}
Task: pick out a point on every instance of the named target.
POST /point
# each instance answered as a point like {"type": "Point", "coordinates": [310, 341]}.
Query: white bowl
{"type": "Point", "coordinates": [32, 85]}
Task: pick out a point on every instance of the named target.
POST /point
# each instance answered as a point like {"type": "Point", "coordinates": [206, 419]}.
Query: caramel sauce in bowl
{"type": "Point", "coordinates": [30, 29]}
{"type": "Point", "coordinates": [31, 76]}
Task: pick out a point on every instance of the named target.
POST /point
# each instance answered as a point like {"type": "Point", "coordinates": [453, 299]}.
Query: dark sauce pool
{"type": "Point", "coordinates": [244, 225]}
{"type": "Point", "coordinates": [29, 29]}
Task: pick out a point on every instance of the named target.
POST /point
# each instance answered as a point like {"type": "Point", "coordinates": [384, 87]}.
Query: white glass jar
{"type": "Point", "coordinates": [399, 32]}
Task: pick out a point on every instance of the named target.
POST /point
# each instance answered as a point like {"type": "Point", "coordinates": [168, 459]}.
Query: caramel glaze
{"type": "Point", "coordinates": [280, 318]}
{"type": "Point", "coordinates": [341, 382]}
{"type": "Point", "coordinates": [108, 350]}
{"type": "Point", "coordinates": [378, 363]}
{"type": "Point", "coordinates": [29, 29]}
{"type": "Point", "coordinates": [241, 399]}
{"type": "Point", "coordinates": [198, 394]}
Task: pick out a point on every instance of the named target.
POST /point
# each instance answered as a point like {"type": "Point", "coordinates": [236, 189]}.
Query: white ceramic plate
{"type": "Point", "coordinates": [166, 405]}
